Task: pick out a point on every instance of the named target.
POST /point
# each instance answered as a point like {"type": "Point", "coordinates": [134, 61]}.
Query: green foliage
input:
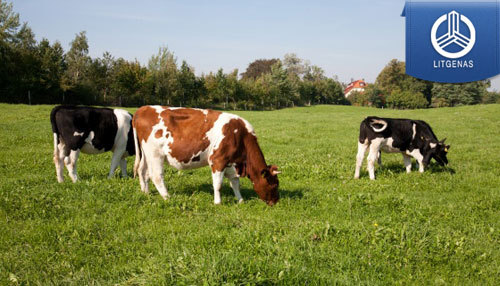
{"type": "Point", "coordinates": [491, 97]}
{"type": "Point", "coordinates": [438, 227]}
{"type": "Point", "coordinates": [406, 100]}
{"type": "Point", "coordinates": [460, 93]}
{"type": "Point", "coordinates": [357, 98]}
{"type": "Point", "coordinates": [258, 67]}
{"type": "Point", "coordinates": [394, 78]}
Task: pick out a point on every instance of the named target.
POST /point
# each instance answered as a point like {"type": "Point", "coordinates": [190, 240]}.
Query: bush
{"type": "Point", "coordinates": [406, 100]}
{"type": "Point", "coordinates": [357, 98]}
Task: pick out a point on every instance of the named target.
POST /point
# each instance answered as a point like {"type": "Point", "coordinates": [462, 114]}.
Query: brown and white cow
{"type": "Point", "coordinates": [191, 138]}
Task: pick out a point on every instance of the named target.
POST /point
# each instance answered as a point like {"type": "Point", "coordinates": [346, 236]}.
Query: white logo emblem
{"type": "Point", "coordinates": [453, 36]}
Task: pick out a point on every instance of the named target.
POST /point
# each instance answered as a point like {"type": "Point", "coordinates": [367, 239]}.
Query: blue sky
{"type": "Point", "coordinates": [350, 39]}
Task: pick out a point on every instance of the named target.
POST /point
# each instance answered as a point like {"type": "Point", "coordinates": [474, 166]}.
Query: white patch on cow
{"type": "Point", "coordinates": [378, 121]}
{"type": "Point", "coordinates": [88, 147]}
{"type": "Point", "coordinates": [157, 108]}
{"type": "Point", "coordinates": [433, 145]}
{"type": "Point", "coordinates": [215, 135]}
{"type": "Point", "coordinates": [386, 146]}
{"type": "Point", "coordinates": [414, 128]}
{"type": "Point", "coordinates": [78, 134]}
{"type": "Point", "coordinates": [205, 111]}
{"type": "Point", "coordinates": [235, 131]}
{"type": "Point", "coordinates": [217, 178]}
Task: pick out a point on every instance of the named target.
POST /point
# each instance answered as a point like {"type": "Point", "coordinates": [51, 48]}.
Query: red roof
{"type": "Point", "coordinates": [355, 84]}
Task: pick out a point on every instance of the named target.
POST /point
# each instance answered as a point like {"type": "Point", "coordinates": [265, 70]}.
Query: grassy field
{"type": "Point", "coordinates": [439, 227]}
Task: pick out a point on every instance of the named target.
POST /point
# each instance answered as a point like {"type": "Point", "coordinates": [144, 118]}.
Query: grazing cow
{"type": "Point", "coordinates": [412, 138]}
{"type": "Point", "coordinates": [191, 138]}
{"type": "Point", "coordinates": [92, 131]}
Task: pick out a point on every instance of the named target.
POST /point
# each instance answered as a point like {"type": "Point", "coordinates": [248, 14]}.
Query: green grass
{"type": "Point", "coordinates": [439, 227]}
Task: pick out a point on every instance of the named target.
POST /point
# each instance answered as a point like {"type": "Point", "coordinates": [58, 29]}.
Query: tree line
{"type": "Point", "coordinates": [44, 73]}
{"type": "Point", "coordinates": [393, 88]}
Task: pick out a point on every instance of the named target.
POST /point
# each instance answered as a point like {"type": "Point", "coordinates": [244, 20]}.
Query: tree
{"type": "Point", "coordinates": [358, 98]}
{"type": "Point", "coordinates": [406, 100]}
{"type": "Point", "coordinates": [295, 65]}
{"type": "Point", "coordinates": [77, 60]}
{"type": "Point", "coordinates": [393, 77]}
{"type": "Point", "coordinates": [187, 84]}
{"type": "Point", "coordinates": [455, 94]}
{"type": "Point", "coordinates": [128, 83]}
{"type": "Point", "coordinates": [257, 68]}
{"type": "Point", "coordinates": [9, 23]}
{"type": "Point", "coordinates": [52, 66]}
{"type": "Point", "coordinates": [163, 76]}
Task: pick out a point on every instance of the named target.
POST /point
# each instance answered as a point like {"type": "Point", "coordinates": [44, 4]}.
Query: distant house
{"type": "Point", "coordinates": [358, 85]}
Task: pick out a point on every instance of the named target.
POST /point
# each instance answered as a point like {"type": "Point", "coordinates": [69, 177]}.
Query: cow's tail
{"type": "Point", "coordinates": [138, 153]}
{"type": "Point", "coordinates": [378, 125]}
{"type": "Point", "coordinates": [55, 131]}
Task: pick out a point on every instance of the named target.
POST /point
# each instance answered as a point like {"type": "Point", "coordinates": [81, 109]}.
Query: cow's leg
{"type": "Point", "coordinates": [372, 157]}
{"type": "Point", "coordinates": [379, 158]}
{"type": "Point", "coordinates": [359, 157]}
{"type": "Point", "coordinates": [143, 174]}
{"type": "Point", "coordinates": [71, 164]}
{"type": "Point", "coordinates": [217, 177]}
{"type": "Point", "coordinates": [59, 161]}
{"type": "Point", "coordinates": [123, 166]}
{"type": "Point", "coordinates": [234, 181]}
{"type": "Point", "coordinates": [419, 158]}
{"type": "Point", "coordinates": [407, 162]}
{"type": "Point", "coordinates": [420, 166]}
{"type": "Point", "coordinates": [117, 157]}
{"type": "Point", "coordinates": [155, 167]}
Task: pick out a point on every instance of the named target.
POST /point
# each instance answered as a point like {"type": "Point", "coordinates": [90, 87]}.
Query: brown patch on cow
{"type": "Point", "coordinates": [159, 133]}
{"type": "Point", "coordinates": [188, 128]}
{"type": "Point", "coordinates": [144, 119]}
{"type": "Point", "coordinates": [231, 148]}
{"type": "Point", "coordinates": [167, 135]}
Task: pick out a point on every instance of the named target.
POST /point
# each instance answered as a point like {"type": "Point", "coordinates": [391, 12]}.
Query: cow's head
{"type": "Point", "coordinates": [438, 151]}
{"type": "Point", "coordinates": [267, 185]}
{"type": "Point", "coordinates": [441, 152]}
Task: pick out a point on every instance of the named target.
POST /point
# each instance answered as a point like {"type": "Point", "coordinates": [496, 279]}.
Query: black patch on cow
{"type": "Point", "coordinates": [196, 159]}
{"type": "Point", "coordinates": [66, 120]}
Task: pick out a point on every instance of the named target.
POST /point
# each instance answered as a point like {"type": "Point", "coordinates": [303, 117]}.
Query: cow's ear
{"type": "Point", "coordinates": [274, 170]}
{"type": "Point", "coordinates": [265, 173]}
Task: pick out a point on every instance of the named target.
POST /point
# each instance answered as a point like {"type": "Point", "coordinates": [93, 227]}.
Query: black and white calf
{"type": "Point", "coordinates": [412, 138]}
{"type": "Point", "coordinates": [92, 131]}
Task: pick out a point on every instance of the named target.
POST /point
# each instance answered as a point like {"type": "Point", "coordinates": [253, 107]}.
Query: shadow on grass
{"type": "Point", "coordinates": [246, 193]}
{"type": "Point", "coordinates": [396, 168]}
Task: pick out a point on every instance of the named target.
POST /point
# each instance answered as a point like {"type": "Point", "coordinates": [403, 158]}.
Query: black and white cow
{"type": "Point", "coordinates": [92, 131]}
{"type": "Point", "coordinates": [412, 138]}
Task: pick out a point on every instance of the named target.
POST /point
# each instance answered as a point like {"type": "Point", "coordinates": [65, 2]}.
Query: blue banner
{"type": "Point", "coordinates": [452, 41]}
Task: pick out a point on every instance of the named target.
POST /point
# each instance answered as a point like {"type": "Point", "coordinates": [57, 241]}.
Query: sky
{"type": "Point", "coordinates": [350, 39]}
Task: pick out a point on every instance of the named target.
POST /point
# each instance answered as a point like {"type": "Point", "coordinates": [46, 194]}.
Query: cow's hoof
{"type": "Point", "coordinates": [240, 201]}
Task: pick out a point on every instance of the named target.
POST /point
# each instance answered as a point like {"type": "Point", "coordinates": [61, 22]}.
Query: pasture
{"type": "Point", "coordinates": [439, 227]}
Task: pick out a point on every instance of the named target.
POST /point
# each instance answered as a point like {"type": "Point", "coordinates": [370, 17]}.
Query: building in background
{"type": "Point", "coordinates": [358, 85]}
